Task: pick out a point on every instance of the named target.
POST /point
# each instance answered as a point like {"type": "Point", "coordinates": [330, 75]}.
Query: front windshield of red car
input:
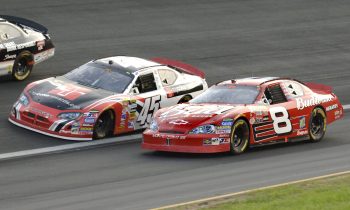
{"type": "Point", "coordinates": [228, 94]}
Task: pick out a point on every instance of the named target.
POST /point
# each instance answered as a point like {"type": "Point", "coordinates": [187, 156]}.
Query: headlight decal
{"type": "Point", "coordinates": [69, 115]}
{"type": "Point", "coordinates": [203, 129]}
{"type": "Point", "coordinates": [23, 99]}
{"type": "Point", "coordinates": [153, 125]}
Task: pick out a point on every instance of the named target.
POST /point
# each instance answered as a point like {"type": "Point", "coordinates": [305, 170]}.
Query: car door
{"type": "Point", "coordinates": [280, 109]}
{"type": "Point", "coordinates": [149, 97]}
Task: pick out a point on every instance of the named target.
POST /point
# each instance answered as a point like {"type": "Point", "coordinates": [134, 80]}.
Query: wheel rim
{"type": "Point", "coordinates": [101, 126]}
{"type": "Point", "coordinates": [317, 124]}
{"type": "Point", "coordinates": [22, 68]}
{"type": "Point", "coordinates": [240, 136]}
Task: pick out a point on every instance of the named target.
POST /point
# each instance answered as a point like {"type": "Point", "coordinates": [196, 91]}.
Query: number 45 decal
{"type": "Point", "coordinates": [149, 107]}
{"type": "Point", "coordinates": [280, 117]}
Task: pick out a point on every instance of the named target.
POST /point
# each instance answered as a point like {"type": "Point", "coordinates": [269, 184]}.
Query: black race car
{"type": "Point", "coordinates": [23, 43]}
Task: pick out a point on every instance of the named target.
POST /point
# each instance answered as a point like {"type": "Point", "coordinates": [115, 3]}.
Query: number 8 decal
{"type": "Point", "coordinates": [283, 117]}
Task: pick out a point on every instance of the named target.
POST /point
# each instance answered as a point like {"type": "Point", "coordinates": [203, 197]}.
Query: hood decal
{"type": "Point", "coordinates": [195, 111]}
{"type": "Point", "coordinates": [63, 95]}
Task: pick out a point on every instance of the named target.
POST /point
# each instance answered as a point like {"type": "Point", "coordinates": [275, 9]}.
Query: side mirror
{"type": "Point", "coordinates": [135, 90]}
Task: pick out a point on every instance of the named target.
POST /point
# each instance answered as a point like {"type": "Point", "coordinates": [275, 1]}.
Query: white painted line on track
{"type": "Point", "coordinates": [67, 147]}
{"type": "Point", "coordinates": [248, 191]}
{"type": "Point", "coordinates": [347, 106]}
{"type": "Point", "coordinates": [80, 145]}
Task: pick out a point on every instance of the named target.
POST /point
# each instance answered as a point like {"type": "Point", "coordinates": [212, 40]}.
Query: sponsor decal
{"type": "Point", "coordinates": [179, 122]}
{"type": "Point", "coordinates": [331, 107]}
{"type": "Point", "coordinates": [223, 129]}
{"type": "Point", "coordinates": [216, 141]}
{"type": "Point", "coordinates": [90, 120]}
{"type": "Point", "coordinates": [11, 46]}
{"type": "Point", "coordinates": [86, 129]}
{"type": "Point", "coordinates": [91, 114]}
{"type": "Point", "coordinates": [123, 116]}
{"type": "Point", "coordinates": [75, 128]}
{"type": "Point", "coordinates": [304, 103]}
{"type": "Point", "coordinates": [302, 132]}
{"type": "Point", "coordinates": [302, 122]}
{"type": "Point", "coordinates": [40, 45]}
{"type": "Point", "coordinates": [194, 111]}
{"type": "Point", "coordinates": [207, 142]}
{"type": "Point", "coordinates": [7, 56]}
{"type": "Point", "coordinates": [68, 91]}
{"type": "Point", "coordinates": [227, 122]}
{"type": "Point", "coordinates": [258, 110]}
{"type": "Point", "coordinates": [131, 125]}
{"type": "Point", "coordinates": [87, 125]}
{"type": "Point", "coordinates": [168, 136]}
{"type": "Point", "coordinates": [68, 103]}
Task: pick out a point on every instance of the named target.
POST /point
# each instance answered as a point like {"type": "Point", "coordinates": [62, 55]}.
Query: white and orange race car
{"type": "Point", "coordinates": [105, 97]}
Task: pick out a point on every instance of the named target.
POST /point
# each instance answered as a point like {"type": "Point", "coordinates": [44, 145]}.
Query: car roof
{"type": "Point", "coordinates": [130, 64]}
{"type": "Point", "coordinates": [254, 81]}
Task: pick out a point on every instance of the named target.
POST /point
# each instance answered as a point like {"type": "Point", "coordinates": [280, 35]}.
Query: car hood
{"type": "Point", "coordinates": [184, 117]}
{"type": "Point", "coordinates": [63, 94]}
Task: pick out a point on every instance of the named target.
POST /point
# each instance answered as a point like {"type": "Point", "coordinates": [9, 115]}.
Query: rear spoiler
{"type": "Point", "coordinates": [25, 22]}
{"type": "Point", "coordinates": [182, 67]}
{"type": "Point", "coordinates": [319, 88]}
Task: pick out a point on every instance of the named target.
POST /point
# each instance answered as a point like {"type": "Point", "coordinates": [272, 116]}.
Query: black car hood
{"type": "Point", "coordinates": [63, 94]}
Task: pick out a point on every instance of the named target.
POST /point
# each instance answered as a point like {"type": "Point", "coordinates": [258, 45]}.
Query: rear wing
{"type": "Point", "coordinates": [25, 22]}
{"type": "Point", "coordinates": [319, 88]}
{"type": "Point", "coordinates": [182, 67]}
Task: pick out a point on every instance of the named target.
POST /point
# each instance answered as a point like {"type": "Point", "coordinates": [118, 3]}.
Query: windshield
{"type": "Point", "coordinates": [228, 94]}
{"type": "Point", "coordinates": [102, 76]}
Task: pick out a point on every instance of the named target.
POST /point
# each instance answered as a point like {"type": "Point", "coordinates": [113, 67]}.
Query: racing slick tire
{"type": "Point", "coordinates": [104, 125]}
{"type": "Point", "coordinates": [23, 66]}
{"type": "Point", "coordinates": [317, 124]}
{"type": "Point", "coordinates": [240, 135]}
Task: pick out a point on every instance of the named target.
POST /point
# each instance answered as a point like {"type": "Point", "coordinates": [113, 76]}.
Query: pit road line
{"type": "Point", "coordinates": [80, 145]}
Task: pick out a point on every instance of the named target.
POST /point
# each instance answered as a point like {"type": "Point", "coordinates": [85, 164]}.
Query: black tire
{"type": "Point", "coordinates": [22, 66]}
{"type": "Point", "coordinates": [185, 99]}
{"type": "Point", "coordinates": [240, 136]}
{"type": "Point", "coordinates": [317, 124]}
{"type": "Point", "coordinates": [104, 125]}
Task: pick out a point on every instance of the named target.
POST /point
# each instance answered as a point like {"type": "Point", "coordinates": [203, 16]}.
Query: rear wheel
{"type": "Point", "coordinates": [104, 125]}
{"type": "Point", "coordinates": [239, 137]}
{"type": "Point", "coordinates": [317, 124]}
{"type": "Point", "coordinates": [23, 66]}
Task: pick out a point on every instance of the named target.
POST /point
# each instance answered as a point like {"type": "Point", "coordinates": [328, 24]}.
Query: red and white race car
{"type": "Point", "coordinates": [106, 96]}
{"type": "Point", "coordinates": [236, 114]}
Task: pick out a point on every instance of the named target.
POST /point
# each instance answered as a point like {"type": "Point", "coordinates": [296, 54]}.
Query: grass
{"type": "Point", "coordinates": [327, 193]}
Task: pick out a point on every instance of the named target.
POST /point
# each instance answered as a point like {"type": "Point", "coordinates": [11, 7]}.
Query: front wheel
{"type": "Point", "coordinates": [239, 137]}
{"type": "Point", "coordinates": [104, 125]}
{"type": "Point", "coordinates": [23, 66]}
{"type": "Point", "coordinates": [317, 124]}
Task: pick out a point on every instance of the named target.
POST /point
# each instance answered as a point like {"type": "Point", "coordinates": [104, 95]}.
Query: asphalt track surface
{"type": "Point", "coordinates": [307, 40]}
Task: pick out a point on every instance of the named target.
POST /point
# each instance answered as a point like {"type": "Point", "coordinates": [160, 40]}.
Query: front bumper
{"type": "Point", "coordinates": [26, 118]}
{"type": "Point", "coordinates": [191, 143]}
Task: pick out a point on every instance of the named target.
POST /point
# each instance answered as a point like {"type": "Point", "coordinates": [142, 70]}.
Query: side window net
{"type": "Point", "coordinates": [274, 94]}
{"type": "Point", "coordinates": [146, 83]}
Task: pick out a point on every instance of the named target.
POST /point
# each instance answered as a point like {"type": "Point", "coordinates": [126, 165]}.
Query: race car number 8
{"type": "Point", "coordinates": [280, 117]}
